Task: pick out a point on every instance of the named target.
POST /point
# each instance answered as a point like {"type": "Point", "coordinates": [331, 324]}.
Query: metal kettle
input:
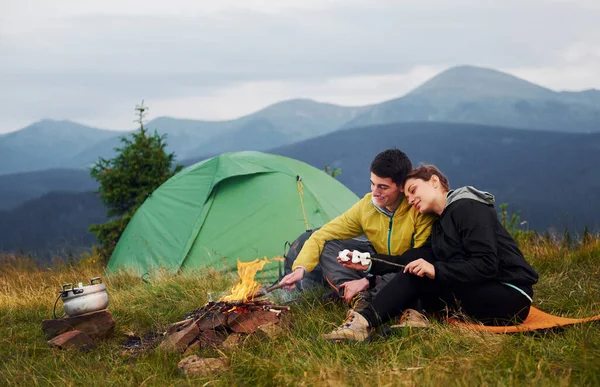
{"type": "Point", "coordinates": [84, 299]}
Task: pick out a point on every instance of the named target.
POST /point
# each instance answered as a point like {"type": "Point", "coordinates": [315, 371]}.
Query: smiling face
{"type": "Point", "coordinates": [425, 196]}
{"type": "Point", "coordinates": [386, 193]}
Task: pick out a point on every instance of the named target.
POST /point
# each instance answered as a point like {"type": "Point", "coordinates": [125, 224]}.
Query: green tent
{"type": "Point", "coordinates": [242, 205]}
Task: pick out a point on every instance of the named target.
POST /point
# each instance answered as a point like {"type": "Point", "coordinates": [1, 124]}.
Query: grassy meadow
{"type": "Point", "coordinates": [569, 286]}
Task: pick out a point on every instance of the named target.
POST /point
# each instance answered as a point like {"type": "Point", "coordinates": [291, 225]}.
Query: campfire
{"type": "Point", "coordinates": [248, 286]}
{"type": "Point", "coordinates": [230, 320]}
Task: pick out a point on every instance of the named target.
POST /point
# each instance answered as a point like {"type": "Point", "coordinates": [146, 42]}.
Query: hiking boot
{"type": "Point", "coordinates": [354, 328]}
{"type": "Point", "coordinates": [412, 319]}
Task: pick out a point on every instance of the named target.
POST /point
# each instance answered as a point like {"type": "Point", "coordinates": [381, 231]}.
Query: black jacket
{"type": "Point", "coordinates": [468, 244]}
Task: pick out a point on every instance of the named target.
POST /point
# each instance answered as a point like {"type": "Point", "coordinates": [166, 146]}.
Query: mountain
{"type": "Point", "coordinates": [281, 123]}
{"type": "Point", "coordinates": [549, 177]}
{"type": "Point", "coordinates": [54, 224]}
{"type": "Point", "coordinates": [12, 160]}
{"type": "Point", "coordinates": [47, 144]}
{"type": "Point", "coordinates": [21, 187]}
{"type": "Point", "coordinates": [468, 94]}
{"type": "Point", "coordinates": [50, 144]}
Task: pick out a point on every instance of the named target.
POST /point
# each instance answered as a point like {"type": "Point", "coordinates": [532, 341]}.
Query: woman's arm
{"type": "Point", "coordinates": [477, 261]}
{"type": "Point", "coordinates": [380, 268]}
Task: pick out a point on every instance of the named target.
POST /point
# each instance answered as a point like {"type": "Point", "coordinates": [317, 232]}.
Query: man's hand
{"type": "Point", "coordinates": [291, 279]}
{"type": "Point", "coordinates": [351, 288]}
{"type": "Point", "coordinates": [421, 268]}
{"type": "Point", "coordinates": [353, 266]}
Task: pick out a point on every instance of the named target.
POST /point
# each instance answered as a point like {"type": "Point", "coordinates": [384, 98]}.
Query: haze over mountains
{"type": "Point", "coordinates": [462, 94]}
{"type": "Point", "coordinates": [532, 147]}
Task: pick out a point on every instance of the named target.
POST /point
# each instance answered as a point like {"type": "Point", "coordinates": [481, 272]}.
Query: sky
{"type": "Point", "coordinates": [93, 61]}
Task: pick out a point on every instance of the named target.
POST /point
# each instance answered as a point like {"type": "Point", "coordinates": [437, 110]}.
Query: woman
{"type": "Point", "coordinates": [471, 263]}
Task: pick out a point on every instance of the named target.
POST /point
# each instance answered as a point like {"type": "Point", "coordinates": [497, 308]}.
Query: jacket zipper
{"type": "Point", "coordinates": [390, 235]}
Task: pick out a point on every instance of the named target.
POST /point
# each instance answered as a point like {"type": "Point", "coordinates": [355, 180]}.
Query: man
{"type": "Point", "coordinates": [384, 216]}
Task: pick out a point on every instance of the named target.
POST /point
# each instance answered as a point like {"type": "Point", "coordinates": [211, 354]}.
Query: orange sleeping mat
{"type": "Point", "coordinates": [536, 319]}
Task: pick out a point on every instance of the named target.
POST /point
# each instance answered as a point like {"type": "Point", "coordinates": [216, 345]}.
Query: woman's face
{"type": "Point", "coordinates": [421, 194]}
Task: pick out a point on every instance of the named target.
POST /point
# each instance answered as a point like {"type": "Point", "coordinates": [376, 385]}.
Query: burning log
{"type": "Point", "coordinates": [229, 321]}
{"type": "Point", "coordinates": [213, 324]}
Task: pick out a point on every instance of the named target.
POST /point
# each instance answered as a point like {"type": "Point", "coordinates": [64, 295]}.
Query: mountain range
{"type": "Point", "coordinates": [547, 177]}
{"type": "Point", "coordinates": [463, 94]}
{"type": "Point", "coordinates": [532, 147]}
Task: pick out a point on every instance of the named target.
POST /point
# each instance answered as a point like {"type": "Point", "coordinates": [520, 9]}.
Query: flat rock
{"type": "Point", "coordinates": [194, 347]}
{"type": "Point", "coordinates": [212, 338]}
{"type": "Point", "coordinates": [179, 341]}
{"type": "Point", "coordinates": [72, 339]}
{"type": "Point", "coordinates": [201, 366]}
{"type": "Point", "coordinates": [248, 322]}
{"type": "Point", "coordinates": [211, 321]}
{"type": "Point", "coordinates": [233, 341]}
{"type": "Point", "coordinates": [97, 325]}
{"type": "Point", "coordinates": [269, 331]}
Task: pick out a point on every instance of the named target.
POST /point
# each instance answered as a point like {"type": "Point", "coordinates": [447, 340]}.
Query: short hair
{"type": "Point", "coordinates": [424, 172]}
{"type": "Point", "coordinates": [393, 164]}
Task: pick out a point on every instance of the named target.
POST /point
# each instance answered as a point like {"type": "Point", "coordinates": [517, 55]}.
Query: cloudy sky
{"type": "Point", "coordinates": [93, 61]}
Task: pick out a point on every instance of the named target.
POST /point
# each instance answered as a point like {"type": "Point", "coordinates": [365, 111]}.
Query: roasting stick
{"type": "Point", "coordinates": [264, 291]}
{"type": "Point", "coordinates": [388, 262]}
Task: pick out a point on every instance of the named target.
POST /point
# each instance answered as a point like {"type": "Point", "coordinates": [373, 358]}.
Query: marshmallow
{"type": "Point", "coordinates": [344, 255]}
{"type": "Point", "coordinates": [362, 258]}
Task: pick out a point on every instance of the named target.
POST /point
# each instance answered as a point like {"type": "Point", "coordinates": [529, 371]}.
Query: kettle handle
{"type": "Point", "coordinates": [96, 279]}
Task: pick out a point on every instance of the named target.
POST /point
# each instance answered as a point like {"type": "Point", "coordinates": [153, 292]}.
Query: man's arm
{"type": "Point", "coordinates": [423, 223]}
{"type": "Point", "coordinates": [346, 226]}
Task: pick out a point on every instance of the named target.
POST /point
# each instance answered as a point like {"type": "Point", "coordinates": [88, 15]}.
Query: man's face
{"type": "Point", "coordinates": [386, 193]}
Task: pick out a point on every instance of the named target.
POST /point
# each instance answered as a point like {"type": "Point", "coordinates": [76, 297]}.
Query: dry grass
{"type": "Point", "coordinates": [569, 285]}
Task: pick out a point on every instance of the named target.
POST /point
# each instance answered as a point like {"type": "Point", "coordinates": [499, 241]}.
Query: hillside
{"type": "Point", "coordinates": [54, 224]}
{"type": "Point", "coordinates": [20, 187]}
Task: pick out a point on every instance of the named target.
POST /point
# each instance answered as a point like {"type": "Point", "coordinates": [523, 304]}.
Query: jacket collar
{"type": "Point", "coordinates": [385, 211]}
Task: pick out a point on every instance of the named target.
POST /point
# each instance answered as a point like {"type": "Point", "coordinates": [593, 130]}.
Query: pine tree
{"type": "Point", "coordinates": [126, 180]}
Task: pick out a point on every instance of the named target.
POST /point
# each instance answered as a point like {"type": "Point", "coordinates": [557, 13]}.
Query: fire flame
{"type": "Point", "coordinates": [247, 285]}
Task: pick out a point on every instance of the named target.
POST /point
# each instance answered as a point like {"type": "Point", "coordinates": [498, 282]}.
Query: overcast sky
{"type": "Point", "coordinates": [93, 61]}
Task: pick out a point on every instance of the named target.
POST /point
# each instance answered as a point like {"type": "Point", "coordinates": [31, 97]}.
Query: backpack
{"type": "Point", "coordinates": [292, 253]}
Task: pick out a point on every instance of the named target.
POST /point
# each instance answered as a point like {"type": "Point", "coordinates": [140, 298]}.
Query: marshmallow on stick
{"type": "Point", "coordinates": [357, 257]}
{"type": "Point", "coordinates": [344, 255]}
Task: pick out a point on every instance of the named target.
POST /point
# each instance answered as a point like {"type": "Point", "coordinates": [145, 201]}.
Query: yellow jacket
{"type": "Point", "coordinates": [389, 235]}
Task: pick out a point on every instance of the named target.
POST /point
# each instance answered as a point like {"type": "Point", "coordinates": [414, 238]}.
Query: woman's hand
{"type": "Point", "coordinates": [351, 288]}
{"type": "Point", "coordinates": [353, 266]}
{"type": "Point", "coordinates": [421, 268]}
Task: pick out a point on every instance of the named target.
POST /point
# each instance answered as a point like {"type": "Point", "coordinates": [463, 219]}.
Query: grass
{"type": "Point", "coordinates": [569, 286]}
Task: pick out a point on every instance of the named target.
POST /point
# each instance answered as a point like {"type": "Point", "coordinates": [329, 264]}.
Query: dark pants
{"type": "Point", "coordinates": [335, 273]}
{"type": "Point", "coordinates": [329, 270]}
{"type": "Point", "coordinates": [491, 303]}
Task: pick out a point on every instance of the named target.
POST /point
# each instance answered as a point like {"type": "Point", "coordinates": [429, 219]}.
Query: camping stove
{"type": "Point", "coordinates": [83, 299]}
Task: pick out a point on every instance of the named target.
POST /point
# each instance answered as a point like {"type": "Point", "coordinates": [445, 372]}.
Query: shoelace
{"type": "Point", "coordinates": [354, 301]}
{"type": "Point", "coordinates": [346, 323]}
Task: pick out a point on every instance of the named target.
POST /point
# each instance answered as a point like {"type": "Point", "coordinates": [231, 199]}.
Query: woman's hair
{"type": "Point", "coordinates": [424, 172]}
